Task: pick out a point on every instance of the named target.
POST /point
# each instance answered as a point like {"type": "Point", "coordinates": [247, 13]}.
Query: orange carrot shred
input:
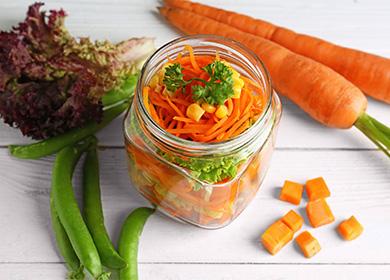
{"type": "Point", "coordinates": [230, 106]}
{"type": "Point", "coordinates": [192, 58]}
{"type": "Point", "coordinates": [145, 94]}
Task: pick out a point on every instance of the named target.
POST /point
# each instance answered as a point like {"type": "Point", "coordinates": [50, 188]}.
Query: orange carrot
{"type": "Point", "coordinates": [293, 220]}
{"type": "Point", "coordinates": [291, 192]}
{"type": "Point", "coordinates": [241, 129]}
{"type": "Point", "coordinates": [319, 213]}
{"type": "Point", "coordinates": [183, 119]}
{"type": "Point", "coordinates": [145, 95]}
{"type": "Point", "coordinates": [371, 73]}
{"type": "Point", "coordinates": [192, 58]}
{"type": "Point", "coordinates": [174, 107]}
{"type": "Point", "coordinates": [308, 244]}
{"type": "Point", "coordinates": [230, 106]}
{"type": "Point", "coordinates": [276, 237]}
{"type": "Point", "coordinates": [320, 91]}
{"type": "Point", "coordinates": [350, 229]}
{"type": "Point", "coordinates": [316, 188]}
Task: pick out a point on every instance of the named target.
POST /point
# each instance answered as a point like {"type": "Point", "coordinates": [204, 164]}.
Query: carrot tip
{"type": "Point", "coordinates": [163, 10]}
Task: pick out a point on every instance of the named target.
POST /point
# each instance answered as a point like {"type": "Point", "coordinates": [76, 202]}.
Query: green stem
{"type": "Point", "coordinates": [56, 143]}
{"type": "Point", "coordinates": [376, 131]}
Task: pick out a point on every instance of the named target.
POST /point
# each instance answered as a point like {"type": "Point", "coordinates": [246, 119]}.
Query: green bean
{"type": "Point", "coordinates": [65, 247]}
{"type": "Point", "coordinates": [128, 241]}
{"type": "Point", "coordinates": [124, 92]}
{"type": "Point", "coordinates": [56, 143]}
{"type": "Point", "coordinates": [93, 212]}
{"type": "Point", "coordinates": [69, 212]}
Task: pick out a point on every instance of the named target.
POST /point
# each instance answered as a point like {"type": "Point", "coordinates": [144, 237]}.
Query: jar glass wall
{"type": "Point", "coordinates": [160, 164]}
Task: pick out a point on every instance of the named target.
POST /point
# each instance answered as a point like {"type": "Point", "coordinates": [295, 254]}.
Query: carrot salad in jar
{"type": "Point", "coordinates": [199, 137]}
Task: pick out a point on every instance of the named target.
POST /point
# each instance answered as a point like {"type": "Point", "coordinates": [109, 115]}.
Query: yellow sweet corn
{"type": "Point", "coordinates": [208, 108]}
{"type": "Point", "coordinates": [238, 84]}
{"type": "Point", "coordinates": [154, 81]}
{"type": "Point", "coordinates": [221, 111]}
{"type": "Point", "coordinates": [194, 112]}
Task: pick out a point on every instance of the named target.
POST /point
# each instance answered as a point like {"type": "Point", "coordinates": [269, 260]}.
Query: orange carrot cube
{"type": "Point", "coordinates": [291, 192]}
{"type": "Point", "coordinates": [317, 188]}
{"type": "Point", "coordinates": [308, 244]}
{"type": "Point", "coordinates": [319, 213]}
{"type": "Point", "coordinates": [276, 236]}
{"type": "Point", "coordinates": [293, 220]}
{"type": "Point", "coordinates": [350, 229]}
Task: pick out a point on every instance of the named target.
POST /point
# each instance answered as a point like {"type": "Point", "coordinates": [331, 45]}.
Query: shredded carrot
{"type": "Point", "coordinates": [154, 114]}
{"type": "Point", "coordinates": [183, 119]}
{"type": "Point", "coordinates": [250, 82]}
{"type": "Point", "coordinates": [192, 57]}
{"type": "Point", "coordinates": [230, 106]}
{"type": "Point", "coordinates": [180, 101]}
{"type": "Point", "coordinates": [170, 111]}
{"type": "Point", "coordinates": [174, 107]}
{"type": "Point", "coordinates": [216, 126]}
{"type": "Point", "coordinates": [172, 124]}
{"type": "Point", "coordinates": [145, 94]}
{"type": "Point", "coordinates": [236, 126]}
{"type": "Point", "coordinates": [241, 129]}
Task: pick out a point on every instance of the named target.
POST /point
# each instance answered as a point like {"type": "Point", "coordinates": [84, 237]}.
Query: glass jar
{"type": "Point", "coordinates": [159, 161]}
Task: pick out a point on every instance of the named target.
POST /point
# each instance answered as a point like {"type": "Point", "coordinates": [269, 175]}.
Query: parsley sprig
{"type": "Point", "coordinates": [215, 91]}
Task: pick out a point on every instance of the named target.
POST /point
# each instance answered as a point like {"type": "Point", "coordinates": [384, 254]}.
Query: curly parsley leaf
{"type": "Point", "coordinates": [174, 78]}
{"type": "Point", "coordinates": [215, 91]}
{"type": "Point", "coordinates": [219, 87]}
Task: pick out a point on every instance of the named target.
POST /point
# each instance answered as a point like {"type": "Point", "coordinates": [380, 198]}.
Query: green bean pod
{"type": "Point", "coordinates": [93, 212]}
{"type": "Point", "coordinates": [54, 144]}
{"type": "Point", "coordinates": [69, 212]}
{"type": "Point", "coordinates": [124, 92]}
{"type": "Point", "coordinates": [128, 241]}
{"type": "Point", "coordinates": [76, 270]}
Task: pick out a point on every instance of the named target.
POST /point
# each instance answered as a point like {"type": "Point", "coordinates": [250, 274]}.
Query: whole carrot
{"type": "Point", "coordinates": [371, 73]}
{"type": "Point", "coordinates": [321, 92]}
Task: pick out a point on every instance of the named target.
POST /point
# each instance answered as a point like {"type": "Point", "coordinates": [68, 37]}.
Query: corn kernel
{"type": "Point", "coordinates": [239, 82]}
{"type": "Point", "coordinates": [221, 111]}
{"type": "Point", "coordinates": [208, 108]}
{"type": "Point", "coordinates": [236, 75]}
{"type": "Point", "coordinates": [154, 81]}
{"type": "Point", "coordinates": [195, 112]}
{"type": "Point", "coordinates": [237, 92]}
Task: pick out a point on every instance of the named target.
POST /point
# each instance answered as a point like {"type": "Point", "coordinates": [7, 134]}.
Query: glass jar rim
{"type": "Point", "coordinates": [170, 139]}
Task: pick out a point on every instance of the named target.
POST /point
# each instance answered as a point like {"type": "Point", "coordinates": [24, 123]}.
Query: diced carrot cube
{"type": "Point", "coordinates": [308, 244]}
{"type": "Point", "coordinates": [319, 213]}
{"type": "Point", "coordinates": [291, 192]}
{"type": "Point", "coordinates": [350, 229]}
{"type": "Point", "coordinates": [317, 188]}
{"type": "Point", "coordinates": [276, 236]}
{"type": "Point", "coordinates": [293, 220]}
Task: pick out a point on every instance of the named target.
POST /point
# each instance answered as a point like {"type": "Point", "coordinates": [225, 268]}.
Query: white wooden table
{"type": "Point", "coordinates": [359, 175]}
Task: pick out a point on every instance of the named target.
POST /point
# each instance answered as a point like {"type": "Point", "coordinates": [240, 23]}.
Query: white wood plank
{"type": "Point", "coordinates": [359, 181]}
{"type": "Point", "coordinates": [359, 24]}
{"type": "Point", "coordinates": [211, 272]}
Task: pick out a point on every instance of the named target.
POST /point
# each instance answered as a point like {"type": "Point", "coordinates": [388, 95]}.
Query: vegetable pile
{"type": "Point", "coordinates": [203, 99]}
{"type": "Point", "coordinates": [51, 82]}
{"type": "Point", "coordinates": [331, 98]}
{"type": "Point", "coordinates": [280, 233]}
